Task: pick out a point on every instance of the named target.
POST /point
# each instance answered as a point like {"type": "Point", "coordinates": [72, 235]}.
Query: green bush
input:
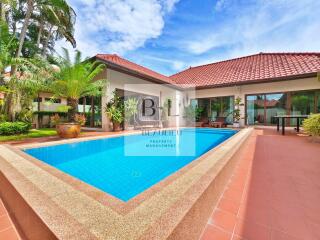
{"type": "Point", "coordinates": [12, 128]}
{"type": "Point", "coordinates": [311, 125]}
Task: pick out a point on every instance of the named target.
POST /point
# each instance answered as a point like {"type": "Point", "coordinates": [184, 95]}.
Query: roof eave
{"type": "Point", "coordinates": [259, 81]}
{"type": "Point", "coordinates": [125, 70]}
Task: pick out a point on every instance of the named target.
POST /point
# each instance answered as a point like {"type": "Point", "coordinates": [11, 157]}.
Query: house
{"type": "Point", "coordinates": [268, 84]}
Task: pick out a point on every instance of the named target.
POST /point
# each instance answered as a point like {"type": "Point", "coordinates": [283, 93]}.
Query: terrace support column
{"type": "Point", "coordinates": [92, 112]}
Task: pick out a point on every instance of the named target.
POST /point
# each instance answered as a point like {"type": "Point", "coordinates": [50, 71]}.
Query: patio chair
{"type": "Point", "coordinates": [220, 122]}
{"type": "Point", "coordinates": [205, 122]}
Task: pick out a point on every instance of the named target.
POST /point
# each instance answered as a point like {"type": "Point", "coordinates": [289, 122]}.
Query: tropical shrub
{"type": "Point", "coordinates": [77, 79]}
{"type": "Point", "coordinates": [236, 111]}
{"type": "Point", "coordinates": [55, 119]}
{"type": "Point", "coordinates": [311, 125]}
{"type": "Point", "coordinates": [130, 109]}
{"type": "Point", "coordinates": [3, 118]}
{"type": "Point", "coordinates": [115, 109]}
{"type": "Point", "coordinates": [12, 128]}
{"type": "Point", "coordinates": [80, 118]}
{"type": "Point", "coordinates": [193, 113]}
{"type": "Point", "coordinates": [115, 114]}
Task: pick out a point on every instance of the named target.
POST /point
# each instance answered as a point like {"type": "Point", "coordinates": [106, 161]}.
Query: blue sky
{"type": "Point", "coordinates": [171, 35]}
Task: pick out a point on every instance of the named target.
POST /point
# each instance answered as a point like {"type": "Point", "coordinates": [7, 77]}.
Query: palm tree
{"type": "Point", "coordinates": [30, 7]}
{"type": "Point", "coordinates": [55, 12]}
{"type": "Point", "coordinates": [55, 22]}
{"type": "Point", "coordinates": [5, 5]}
{"type": "Point", "coordinates": [7, 44]}
{"type": "Point", "coordinates": [77, 79]}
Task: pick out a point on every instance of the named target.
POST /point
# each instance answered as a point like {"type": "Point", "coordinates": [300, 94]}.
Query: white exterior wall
{"type": "Point", "coordinates": [118, 80]}
{"type": "Point", "coordinates": [273, 87]}
{"type": "Point", "coordinates": [124, 81]}
{"type": "Point", "coordinates": [50, 107]}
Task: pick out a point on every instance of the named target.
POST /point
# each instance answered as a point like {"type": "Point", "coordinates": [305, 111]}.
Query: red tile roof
{"type": "Point", "coordinates": [254, 68]}
{"type": "Point", "coordinates": [249, 69]}
{"type": "Point", "coordinates": [118, 61]}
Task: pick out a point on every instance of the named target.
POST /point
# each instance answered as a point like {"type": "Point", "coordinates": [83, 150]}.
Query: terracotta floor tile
{"type": "Point", "coordinates": [291, 223]}
{"type": "Point", "coordinates": [214, 233]}
{"type": "Point", "coordinates": [256, 213]}
{"type": "Point", "coordinates": [5, 222]}
{"type": "Point", "coordinates": [9, 234]}
{"type": "Point", "coordinates": [233, 194]}
{"type": "Point", "coordinates": [277, 235]}
{"type": "Point", "coordinates": [2, 209]}
{"type": "Point", "coordinates": [224, 220]}
{"type": "Point", "coordinates": [229, 206]}
{"type": "Point", "coordinates": [315, 230]}
{"type": "Point", "coordinates": [252, 231]}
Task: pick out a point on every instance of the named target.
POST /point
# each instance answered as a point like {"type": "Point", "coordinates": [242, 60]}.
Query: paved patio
{"type": "Point", "coordinates": [274, 193]}
{"type": "Point", "coordinates": [8, 230]}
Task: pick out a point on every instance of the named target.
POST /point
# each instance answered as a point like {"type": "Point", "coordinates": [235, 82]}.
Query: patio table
{"type": "Point", "coordinates": [283, 122]}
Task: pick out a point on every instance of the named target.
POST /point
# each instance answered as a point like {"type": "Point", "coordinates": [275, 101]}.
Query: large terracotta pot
{"type": "Point", "coordinates": [116, 126]}
{"type": "Point", "coordinates": [68, 130]}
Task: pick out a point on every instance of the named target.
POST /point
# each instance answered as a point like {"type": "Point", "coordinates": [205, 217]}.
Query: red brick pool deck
{"type": "Point", "coordinates": [274, 193]}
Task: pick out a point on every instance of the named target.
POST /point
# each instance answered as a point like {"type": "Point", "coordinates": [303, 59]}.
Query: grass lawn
{"type": "Point", "coordinates": [33, 133]}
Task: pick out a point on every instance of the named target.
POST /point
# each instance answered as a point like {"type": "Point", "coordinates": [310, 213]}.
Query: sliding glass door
{"type": "Point", "coordinates": [275, 104]}
{"type": "Point", "coordinates": [217, 107]}
{"type": "Point", "coordinates": [261, 108]}
{"type": "Point", "coordinates": [255, 109]}
{"type": "Point", "coordinates": [222, 107]}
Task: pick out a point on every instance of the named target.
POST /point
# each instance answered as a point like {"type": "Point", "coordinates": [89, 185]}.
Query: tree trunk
{"type": "Point", "coordinates": [3, 13]}
{"type": "Point", "coordinates": [39, 33]}
{"type": "Point", "coordinates": [72, 111]}
{"type": "Point", "coordinates": [38, 115]}
{"type": "Point", "coordinates": [46, 43]}
{"type": "Point", "coordinates": [25, 26]}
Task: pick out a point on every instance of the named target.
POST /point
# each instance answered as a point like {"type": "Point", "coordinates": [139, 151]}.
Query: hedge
{"type": "Point", "coordinates": [12, 128]}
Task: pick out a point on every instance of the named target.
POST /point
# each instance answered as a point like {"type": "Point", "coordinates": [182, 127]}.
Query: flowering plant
{"type": "Point", "coordinates": [55, 119]}
{"type": "Point", "coordinates": [80, 118]}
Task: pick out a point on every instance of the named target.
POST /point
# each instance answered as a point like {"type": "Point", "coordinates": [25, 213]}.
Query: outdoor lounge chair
{"type": "Point", "coordinates": [220, 122]}
{"type": "Point", "coordinates": [205, 122]}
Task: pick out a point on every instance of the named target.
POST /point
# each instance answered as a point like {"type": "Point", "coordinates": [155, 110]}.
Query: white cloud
{"type": "Point", "coordinates": [274, 25]}
{"type": "Point", "coordinates": [176, 65]}
{"type": "Point", "coordinates": [220, 4]}
{"type": "Point", "coordinates": [118, 26]}
{"type": "Point", "coordinates": [169, 4]}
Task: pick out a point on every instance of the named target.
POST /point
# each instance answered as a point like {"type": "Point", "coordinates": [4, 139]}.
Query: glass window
{"type": "Point", "coordinates": [38, 99]}
{"type": "Point", "coordinates": [222, 107]}
{"type": "Point", "coordinates": [204, 104]}
{"type": "Point", "coordinates": [275, 105]}
{"type": "Point", "coordinates": [318, 101]}
{"type": "Point", "coordinates": [255, 109]}
{"type": "Point", "coordinates": [53, 100]}
{"type": "Point", "coordinates": [194, 102]}
{"type": "Point", "coordinates": [302, 103]}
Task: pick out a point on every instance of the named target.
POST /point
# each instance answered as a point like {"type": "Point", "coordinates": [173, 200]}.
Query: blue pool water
{"type": "Point", "coordinates": [126, 166]}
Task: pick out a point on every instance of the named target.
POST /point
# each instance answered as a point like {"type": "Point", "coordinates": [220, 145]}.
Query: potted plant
{"type": "Point", "coordinates": [130, 110]}
{"type": "Point", "coordinates": [115, 111]}
{"type": "Point", "coordinates": [73, 81]}
{"type": "Point", "coordinates": [68, 130]}
{"type": "Point", "coordinates": [236, 112]}
{"type": "Point", "coordinates": [311, 126]}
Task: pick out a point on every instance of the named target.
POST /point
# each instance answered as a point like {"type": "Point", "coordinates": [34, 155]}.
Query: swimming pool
{"type": "Point", "coordinates": [128, 165]}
